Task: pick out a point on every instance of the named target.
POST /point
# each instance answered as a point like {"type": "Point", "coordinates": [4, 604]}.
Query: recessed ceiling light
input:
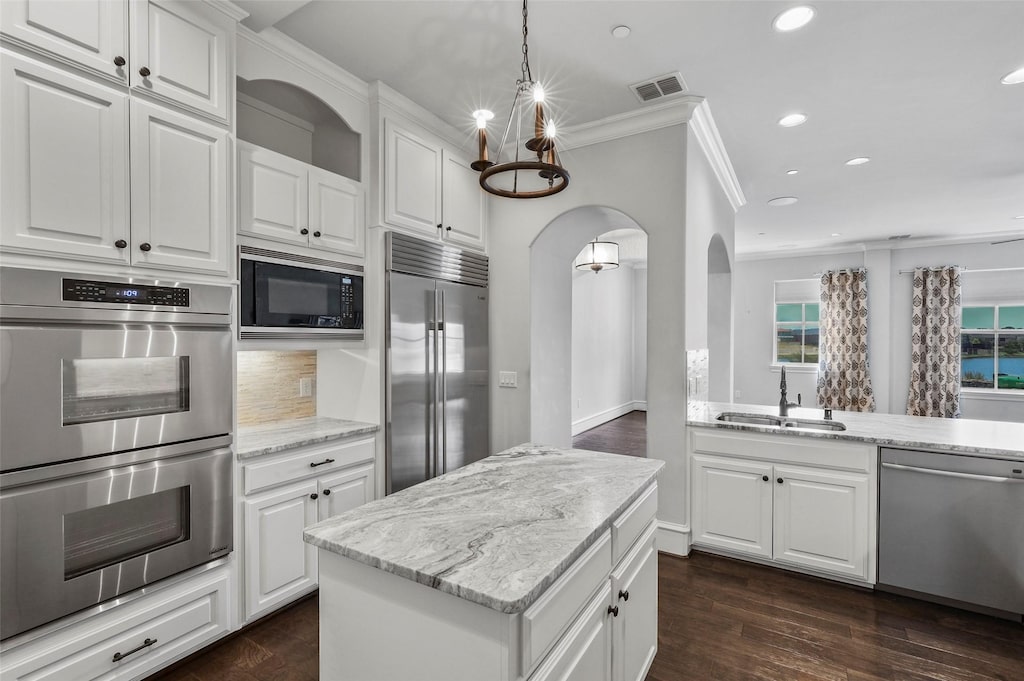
{"type": "Point", "coordinates": [760, 233]}
{"type": "Point", "coordinates": [792, 172]}
{"type": "Point", "coordinates": [793, 18]}
{"type": "Point", "coordinates": [793, 119]}
{"type": "Point", "coordinates": [1014, 77]}
{"type": "Point", "coordinates": [620, 31]}
{"type": "Point", "coordinates": [1019, 217]}
{"type": "Point", "coordinates": [836, 234]}
{"type": "Point", "coordinates": [859, 161]}
{"type": "Point", "coordinates": [783, 201]}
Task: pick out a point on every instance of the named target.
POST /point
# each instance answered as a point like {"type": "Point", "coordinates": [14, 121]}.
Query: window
{"type": "Point", "coordinates": [992, 347]}
{"type": "Point", "coordinates": [796, 322]}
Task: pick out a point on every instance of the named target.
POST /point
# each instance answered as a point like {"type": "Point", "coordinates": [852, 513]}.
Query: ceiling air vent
{"type": "Point", "coordinates": [657, 88]}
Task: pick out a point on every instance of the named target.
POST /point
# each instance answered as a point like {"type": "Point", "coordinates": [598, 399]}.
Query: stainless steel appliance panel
{"type": "Point", "coordinates": [73, 542]}
{"type": "Point", "coordinates": [84, 389]}
{"type": "Point", "coordinates": [412, 396]}
{"type": "Point", "coordinates": [951, 526]}
{"type": "Point", "coordinates": [465, 411]}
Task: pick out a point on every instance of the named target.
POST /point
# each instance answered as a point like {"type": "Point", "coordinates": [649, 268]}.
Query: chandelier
{"type": "Point", "coordinates": [538, 173]}
{"type": "Point", "coordinates": [597, 256]}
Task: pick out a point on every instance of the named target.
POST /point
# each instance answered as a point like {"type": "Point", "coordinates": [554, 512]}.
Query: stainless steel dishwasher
{"type": "Point", "coordinates": [951, 529]}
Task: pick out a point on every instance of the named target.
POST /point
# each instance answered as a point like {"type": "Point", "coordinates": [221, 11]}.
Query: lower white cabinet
{"type": "Point", "coordinates": [808, 506]}
{"type": "Point", "coordinates": [131, 640]}
{"type": "Point", "coordinates": [302, 487]}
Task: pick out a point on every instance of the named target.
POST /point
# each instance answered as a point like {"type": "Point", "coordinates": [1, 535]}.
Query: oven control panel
{"type": "Point", "coordinates": [111, 292]}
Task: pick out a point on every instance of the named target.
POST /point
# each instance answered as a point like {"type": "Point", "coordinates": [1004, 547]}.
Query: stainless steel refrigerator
{"type": "Point", "coordinates": [437, 360]}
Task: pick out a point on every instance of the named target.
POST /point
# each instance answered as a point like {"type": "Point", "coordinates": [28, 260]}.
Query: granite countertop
{"type": "Point", "coordinates": [497, 532]}
{"type": "Point", "coordinates": [269, 438]}
{"type": "Point", "coordinates": [967, 436]}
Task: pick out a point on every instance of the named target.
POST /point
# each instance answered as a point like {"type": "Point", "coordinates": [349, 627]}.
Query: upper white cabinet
{"type": "Point", "coordinates": [430, 190]}
{"type": "Point", "coordinates": [180, 52]}
{"type": "Point", "coordinates": [286, 200]}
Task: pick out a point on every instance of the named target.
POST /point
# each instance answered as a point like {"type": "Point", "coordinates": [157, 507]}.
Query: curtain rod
{"type": "Point", "coordinates": [847, 269]}
{"type": "Point", "coordinates": [969, 269]}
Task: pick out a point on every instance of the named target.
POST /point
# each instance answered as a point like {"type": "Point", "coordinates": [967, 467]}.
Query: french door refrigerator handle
{"type": "Point", "coordinates": [436, 326]}
{"type": "Point", "coordinates": [444, 388]}
{"type": "Point", "coordinates": [951, 474]}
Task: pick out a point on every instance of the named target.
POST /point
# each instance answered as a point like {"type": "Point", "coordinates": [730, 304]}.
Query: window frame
{"type": "Point", "coordinates": [995, 332]}
{"type": "Point", "coordinates": [803, 329]}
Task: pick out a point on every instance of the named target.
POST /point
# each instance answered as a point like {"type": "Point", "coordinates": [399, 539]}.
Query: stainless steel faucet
{"type": "Point", "coordinates": [784, 405]}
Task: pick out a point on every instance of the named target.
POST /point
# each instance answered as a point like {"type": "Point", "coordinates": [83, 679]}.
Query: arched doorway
{"type": "Point", "coordinates": [719, 321]}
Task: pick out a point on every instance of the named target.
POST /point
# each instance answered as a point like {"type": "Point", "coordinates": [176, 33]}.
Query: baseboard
{"type": "Point", "coordinates": [673, 538]}
{"type": "Point", "coordinates": [603, 417]}
{"type": "Point", "coordinates": [639, 405]}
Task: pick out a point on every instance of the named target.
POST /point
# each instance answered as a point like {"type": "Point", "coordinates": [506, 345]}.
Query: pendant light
{"type": "Point", "coordinates": [538, 173]}
{"type": "Point", "coordinates": [597, 256]}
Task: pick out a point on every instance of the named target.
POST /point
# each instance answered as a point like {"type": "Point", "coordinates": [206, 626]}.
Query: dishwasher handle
{"type": "Point", "coordinates": [952, 474]}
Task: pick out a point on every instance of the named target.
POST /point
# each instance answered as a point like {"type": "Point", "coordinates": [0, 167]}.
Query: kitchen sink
{"type": "Point", "coordinates": [779, 422]}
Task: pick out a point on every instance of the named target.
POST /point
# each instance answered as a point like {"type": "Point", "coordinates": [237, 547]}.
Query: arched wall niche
{"type": "Point", "coordinates": [719, 321]}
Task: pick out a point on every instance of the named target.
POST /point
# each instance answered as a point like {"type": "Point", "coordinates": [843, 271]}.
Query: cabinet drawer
{"type": "Point", "coordinates": [299, 464]}
{"type": "Point", "coordinates": [545, 620]}
{"type": "Point", "coordinates": [177, 623]}
{"type": "Point", "coordinates": [631, 524]}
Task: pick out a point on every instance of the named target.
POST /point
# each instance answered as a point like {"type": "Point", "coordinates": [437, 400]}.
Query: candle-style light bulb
{"type": "Point", "coordinates": [538, 99]}
{"type": "Point", "coordinates": [482, 116]}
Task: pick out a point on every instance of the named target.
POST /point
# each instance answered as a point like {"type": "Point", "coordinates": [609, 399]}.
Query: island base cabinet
{"type": "Point", "coordinates": [635, 627]}
{"type": "Point", "coordinates": [585, 652]}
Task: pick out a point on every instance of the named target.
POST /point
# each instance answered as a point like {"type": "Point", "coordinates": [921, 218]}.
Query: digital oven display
{"type": "Point", "coordinates": [108, 292]}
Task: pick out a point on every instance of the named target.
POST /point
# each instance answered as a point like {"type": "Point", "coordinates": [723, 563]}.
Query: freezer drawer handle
{"type": "Point", "coordinates": [145, 644]}
{"type": "Point", "coordinates": [950, 474]}
{"type": "Point", "coordinates": [314, 465]}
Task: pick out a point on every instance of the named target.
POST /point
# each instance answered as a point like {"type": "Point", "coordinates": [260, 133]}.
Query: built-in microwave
{"type": "Point", "coordinates": [299, 297]}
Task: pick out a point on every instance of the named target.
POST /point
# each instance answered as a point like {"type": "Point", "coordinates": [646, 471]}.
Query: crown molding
{"type": "Point", "coordinates": [228, 8]}
{"type": "Point", "coordinates": [614, 127]}
{"type": "Point", "coordinates": [302, 57]}
{"type": "Point", "coordinates": [390, 98]}
{"type": "Point", "coordinates": [710, 141]}
{"type": "Point", "coordinates": [878, 245]}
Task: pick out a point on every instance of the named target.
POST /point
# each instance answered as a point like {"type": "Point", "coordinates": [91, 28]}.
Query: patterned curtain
{"type": "Point", "coordinates": [843, 379]}
{"type": "Point", "coordinates": [935, 344]}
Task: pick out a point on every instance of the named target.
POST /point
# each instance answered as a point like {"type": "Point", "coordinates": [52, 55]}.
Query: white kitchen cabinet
{"type": "Point", "coordinates": [585, 652]}
{"type": "Point", "coordinates": [635, 627]}
{"type": "Point", "coordinates": [431, 191]}
{"type": "Point", "coordinates": [286, 492]}
{"type": "Point", "coordinates": [800, 503]}
{"type": "Point", "coordinates": [286, 200]}
{"type": "Point", "coordinates": [179, 198]}
{"type": "Point", "coordinates": [180, 52]}
{"type": "Point", "coordinates": [63, 163]}
{"type": "Point", "coordinates": [132, 640]}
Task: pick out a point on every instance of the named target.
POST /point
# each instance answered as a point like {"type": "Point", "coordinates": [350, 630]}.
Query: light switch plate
{"type": "Point", "coordinates": [507, 379]}
{"type": "Point", "coordinates": [305, 387]}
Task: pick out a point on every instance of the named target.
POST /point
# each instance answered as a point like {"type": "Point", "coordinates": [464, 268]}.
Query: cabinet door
{"type": "Point", "coordinates": [344, 491]}
{"type": "Point", "coordinates": [412, 180]}
{"type": "Point", "coordinates": [179, 179]}
{"type": "Point", "coordinates": [635, 629]}
{"type": "Point", "coordinates": [185, 48]}
{"type": "Point", "coordinates": [278, 564]}
{"type": "Point", "coordinates": [732, 505]}
{"type": "Point", "coordinates": [337, 212]}
{"type": "Point", "coordinates": [464, 203]}
{"type": "Point", "coordinates": [63, 169]}
{"type": "Point", "coordinates": [585, 651]}
{"type": "Point", "coordinates": [821, 520]}
{"type": "Point", "coordinates": [90, 33]}
{"type": "Point", "coordinates": [272, 195]}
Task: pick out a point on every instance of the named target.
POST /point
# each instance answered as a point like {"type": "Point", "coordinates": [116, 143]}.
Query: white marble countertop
{"type": "Point", "coordinates": [270, 438]}
{"type": "Point", "coordinates": [967, 436]}
{"type": "Point", "coordinates": [497, 532]}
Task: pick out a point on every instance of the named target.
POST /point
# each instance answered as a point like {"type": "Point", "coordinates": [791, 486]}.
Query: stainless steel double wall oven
{"type": "Point", "coordinates": [115, 432]}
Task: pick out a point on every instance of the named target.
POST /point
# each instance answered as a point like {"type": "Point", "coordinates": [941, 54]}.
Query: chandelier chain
{"type": "Point", "coordinates": [527, 76]}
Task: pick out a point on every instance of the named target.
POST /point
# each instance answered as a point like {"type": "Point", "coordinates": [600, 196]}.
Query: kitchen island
{"type": "Point", "coordinates": [534, 563]}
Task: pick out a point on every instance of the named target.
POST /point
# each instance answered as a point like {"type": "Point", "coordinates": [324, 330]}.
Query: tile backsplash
{"type": "Point", "coordinates": [697, 379]}
{"type": "Point", "coordinates": [269, 386]}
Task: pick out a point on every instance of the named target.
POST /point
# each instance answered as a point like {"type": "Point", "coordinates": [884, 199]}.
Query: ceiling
{"type": "Point", "coordinates": [915, 86]}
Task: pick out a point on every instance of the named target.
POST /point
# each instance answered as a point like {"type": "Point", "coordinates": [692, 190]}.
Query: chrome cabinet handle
{"type": "Point", "coordinates": [325, 461]}
{"type": "Point", "coordinates": [145, 644]}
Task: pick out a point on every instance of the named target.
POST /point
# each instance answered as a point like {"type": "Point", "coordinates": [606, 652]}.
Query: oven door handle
{"type": "Point", "coordinates": [99, 316]}
{"type": "Point", "coordinates": [952, 474]}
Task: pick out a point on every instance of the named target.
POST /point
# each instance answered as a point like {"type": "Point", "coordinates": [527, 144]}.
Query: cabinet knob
{"type": "Point", "coordinates": [439, 225]}
{"type": "Point", "coordinates": [624, 595]}
{"type": "Point", "coordinates": [303, 231]}
{"type": "Point", "coordinates": [144, 72]}
{"type": "Point", "coordinates": [316, 233]}
{"type": "Point", "coordinates": [119, 61]}
{"type": "Point", "coordinates": [779, 480]}
{"type": "Point", "coordinates": [327, 492]}
{"type": "Point", "coordinates": [121, 243]}
{"type": "Point", "coordinates": [144, 246]}
{"type": "Point", "coordinates": [313, 496]}
{"type": "Point", "coordinates": [765, 478]}
{"type": "Point", "coordinates": [448, 228]}
{"type": "Point", "coordinates": [613, 610]}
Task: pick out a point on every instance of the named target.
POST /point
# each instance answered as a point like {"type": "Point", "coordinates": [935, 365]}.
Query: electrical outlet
{"type": "Point", "coordinates": [579, 403]}
{"type": "Point", "coordinates": [507, 379]}
{"type": "Point", "coordinates": [306, 387]}
{"type": "Point", "coordinates": [738, 394]}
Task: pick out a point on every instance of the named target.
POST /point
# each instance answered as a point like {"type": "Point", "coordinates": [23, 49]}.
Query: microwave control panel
{"type": "Point", "coordinates": [111, 292]}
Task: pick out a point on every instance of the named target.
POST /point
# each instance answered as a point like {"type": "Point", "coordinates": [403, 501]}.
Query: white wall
{"type": "Point", "coordinates": [889, 311]}
{"type": "Point", "coordinates": [640, 336]}
{"type": "Point", "coordinates": [604, 313]}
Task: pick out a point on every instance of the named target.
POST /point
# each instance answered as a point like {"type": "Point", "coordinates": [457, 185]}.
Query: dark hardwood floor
{"type": "Point", "coordinates": [624, 435]}
{"type": "Point", "coordinates": [719, 619]}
